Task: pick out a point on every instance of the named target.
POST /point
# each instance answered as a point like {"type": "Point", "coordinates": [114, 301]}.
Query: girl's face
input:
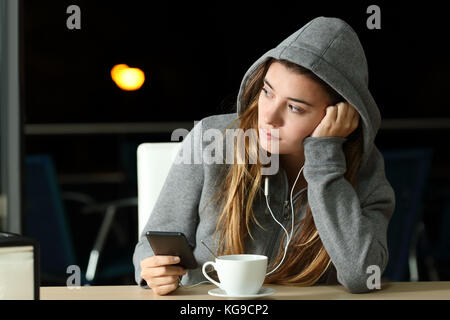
{"type": "Point", "coordinates": [292, 103]}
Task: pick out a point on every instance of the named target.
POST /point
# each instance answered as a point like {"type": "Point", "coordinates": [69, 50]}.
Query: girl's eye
{"type": "Point", "coordinates": [266, 93]}
{"type": "Point", "coordinates": [291, 107]}
{"type": "Point", "coordinates": [295, 109]}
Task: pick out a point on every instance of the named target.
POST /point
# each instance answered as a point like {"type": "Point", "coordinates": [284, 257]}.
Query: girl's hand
{"type": "Point", "coordinates": [161, 274]}
{"type": "Point", "coordinates": [339, 121]}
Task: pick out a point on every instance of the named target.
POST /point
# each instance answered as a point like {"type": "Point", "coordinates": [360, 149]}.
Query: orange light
{"type": "Point", "coordinates": [126, 78]}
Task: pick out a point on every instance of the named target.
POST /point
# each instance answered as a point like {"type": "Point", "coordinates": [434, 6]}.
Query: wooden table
{"type": "Point", "coordinates": [390, 291]}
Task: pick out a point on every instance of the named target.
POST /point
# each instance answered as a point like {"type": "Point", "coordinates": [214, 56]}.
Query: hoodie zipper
{"type": "Point", "coordinates": [286, 210]}
{"type": "Point", "coordinates": [276, 234]}
{"type": "Point", "coordinates": [287, 204]}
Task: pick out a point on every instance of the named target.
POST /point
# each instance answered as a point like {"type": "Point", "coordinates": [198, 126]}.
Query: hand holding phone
{"type": "Point", "coordinates": [173, 256]}
{"type": "Point", "coordinates": [161, 273]}
{"type": "Point", "coordinates": [172, 244]}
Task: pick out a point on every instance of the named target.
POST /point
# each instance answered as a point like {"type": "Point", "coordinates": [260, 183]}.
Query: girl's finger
{"type": "Point", "coordinates": [351, 113]}
{"type": "Point", "coordinates": [163, 281]}
{"type": "Point", "coordinates": [163, 290]}
{"type": "Point", "coordinates": [157, 261]}
{"type": "Point", "coordinates": [342, 112]}
{"type": "Point", "coordinates": [356, 119]}
{"type": "Point", "coordinates": [165, 271]}
{"type": "Point", "coordinates": [332, 113]}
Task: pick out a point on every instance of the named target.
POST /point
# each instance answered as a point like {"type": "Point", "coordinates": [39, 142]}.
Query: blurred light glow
{"type": "Point", "coordinates": [126, 78]}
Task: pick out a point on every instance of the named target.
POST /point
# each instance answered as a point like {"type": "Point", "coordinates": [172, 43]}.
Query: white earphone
{"type": "Point", "coordinates": [288, 237]}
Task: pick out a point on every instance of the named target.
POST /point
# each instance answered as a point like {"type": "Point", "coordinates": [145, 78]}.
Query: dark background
{"type": "Point", "coordinates": [194, 57]}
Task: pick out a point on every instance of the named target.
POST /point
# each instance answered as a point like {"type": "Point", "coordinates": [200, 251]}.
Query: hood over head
{"type": "Point", "coordinates": [331, 49]}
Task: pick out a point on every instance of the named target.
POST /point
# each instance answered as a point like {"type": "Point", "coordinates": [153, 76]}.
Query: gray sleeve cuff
{"type": "Point", "coordinates": [324, 151]}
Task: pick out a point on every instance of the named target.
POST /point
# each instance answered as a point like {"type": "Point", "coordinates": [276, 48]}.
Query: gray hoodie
{"type": "Point", "coordinates": [352, 224]}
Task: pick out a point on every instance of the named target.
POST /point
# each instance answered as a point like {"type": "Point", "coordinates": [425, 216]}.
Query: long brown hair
{"type": "Point", "coordinates": [307, 260]}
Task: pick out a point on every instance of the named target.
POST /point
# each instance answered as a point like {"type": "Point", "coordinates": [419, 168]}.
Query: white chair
{"type": "Point", "coordinates": [153, 163]}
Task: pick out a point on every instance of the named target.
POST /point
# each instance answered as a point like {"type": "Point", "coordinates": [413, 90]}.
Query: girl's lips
{"type": "Point", "coordinates": [269, 135]}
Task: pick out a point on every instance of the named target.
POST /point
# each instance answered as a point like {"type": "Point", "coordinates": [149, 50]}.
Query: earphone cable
{"type": "Point", "coordinates": [288, 236]}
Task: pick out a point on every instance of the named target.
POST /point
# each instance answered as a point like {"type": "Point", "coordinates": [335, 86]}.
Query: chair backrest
{"type": "Point", "coordinates": [153, 163]}
{"type": "Point", "coordinates": [45, 217]}
{"type": "Point", "coordinates": [407, 170]}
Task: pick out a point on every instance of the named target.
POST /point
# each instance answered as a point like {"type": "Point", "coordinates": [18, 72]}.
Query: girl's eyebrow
{"type": "Point", "coordinates": [293, 99]}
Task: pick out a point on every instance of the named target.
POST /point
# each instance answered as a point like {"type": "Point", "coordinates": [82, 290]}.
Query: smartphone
{"type": "Point", "coordinates": [172, 244]}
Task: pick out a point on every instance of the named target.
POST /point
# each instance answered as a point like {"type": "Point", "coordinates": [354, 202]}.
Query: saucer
{"type": "Point", "coordinates": [264, 291]}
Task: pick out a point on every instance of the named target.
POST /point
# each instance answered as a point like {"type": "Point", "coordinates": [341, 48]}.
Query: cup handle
{"type": "Point", "coordinates": [206, 275]}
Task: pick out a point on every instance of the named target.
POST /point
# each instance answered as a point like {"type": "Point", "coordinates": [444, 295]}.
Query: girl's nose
{"type": "Point", "coordinates": [273, 116]}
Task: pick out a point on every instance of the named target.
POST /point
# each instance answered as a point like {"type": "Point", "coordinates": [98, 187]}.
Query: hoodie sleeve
{"type": "Point", "coordinates": [352, 227]}
{"type": "Point", "coordinates": [176, 208]}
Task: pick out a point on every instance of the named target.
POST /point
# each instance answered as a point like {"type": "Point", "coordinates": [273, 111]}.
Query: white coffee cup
{"type": "Point", "coordinates": [239, 274]}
